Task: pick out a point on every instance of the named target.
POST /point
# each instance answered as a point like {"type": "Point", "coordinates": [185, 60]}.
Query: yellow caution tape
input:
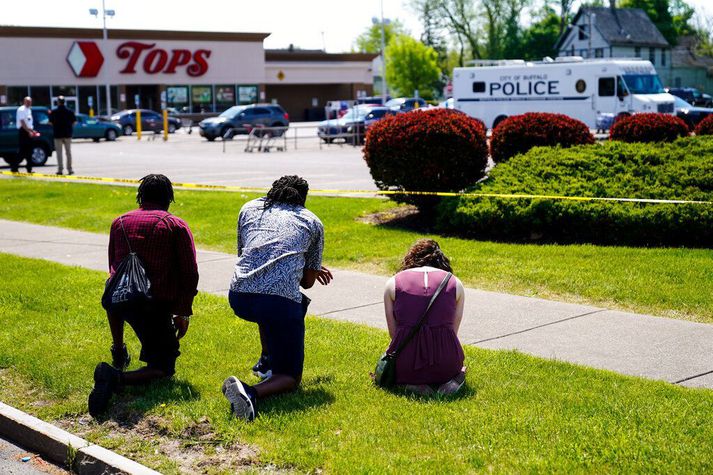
{"type": "Point", "coordinates": [247, 189]}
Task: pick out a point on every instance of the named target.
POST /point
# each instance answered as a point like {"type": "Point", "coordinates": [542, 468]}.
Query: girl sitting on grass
{"type": "Point", "coordinates": [432, 362]}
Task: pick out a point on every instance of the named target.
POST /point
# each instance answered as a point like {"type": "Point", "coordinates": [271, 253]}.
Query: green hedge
{"type": "Point", "coordinates": [679, 170]}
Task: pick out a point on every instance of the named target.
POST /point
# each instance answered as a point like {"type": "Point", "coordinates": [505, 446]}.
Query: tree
{"type": "Point", "coordinates": [370, 40]}
{"type": "Point", "coordinates": [411, 66]}
{"type": "Point", "coordinates": [671, 17]}
{"type": "Point", "coordinates": [538, 40]}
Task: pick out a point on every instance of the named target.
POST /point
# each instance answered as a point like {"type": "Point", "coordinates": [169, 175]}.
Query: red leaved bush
{"type": "Point", "coordinates": [519, 133]}
{"type": "Point", "coordinates": [705, 127]}
{"type": "Point", "coordinates": [649, 127]}
{"type": "Point", "coordinates": [426, 150]}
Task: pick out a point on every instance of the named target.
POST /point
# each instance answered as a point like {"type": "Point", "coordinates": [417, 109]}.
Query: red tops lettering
{"type": "Point", "coordinates": [158, 60]}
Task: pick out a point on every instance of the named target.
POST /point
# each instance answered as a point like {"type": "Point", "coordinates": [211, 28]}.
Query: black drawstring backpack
{"type": "Point", "coordinates": [129, 287]}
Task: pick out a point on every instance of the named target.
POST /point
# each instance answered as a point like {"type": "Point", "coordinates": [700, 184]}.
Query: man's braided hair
{"type": "Point", "coordinates": [155, 188]}
{"type": "Point", "coordinates": [426, 252]}
{"type": "Point", "coordinates": [290, 189]}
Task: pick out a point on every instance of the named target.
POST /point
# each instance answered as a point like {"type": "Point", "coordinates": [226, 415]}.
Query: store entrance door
{"type": "Point", "coordinates": [70, 102]}
{"type": "Point", "coordinates": [148, 96]}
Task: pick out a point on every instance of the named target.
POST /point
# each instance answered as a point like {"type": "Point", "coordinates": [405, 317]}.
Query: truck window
{"type": "Point", "coordinates": [479, 86]}
{"type": "Point", "coordinates": [621, 89]}
{"type": "Point", "coordinates": [607, 87]}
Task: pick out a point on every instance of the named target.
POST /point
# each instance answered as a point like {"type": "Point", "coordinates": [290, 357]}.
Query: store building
{"type": "Point", "coordinates": [194, 72]}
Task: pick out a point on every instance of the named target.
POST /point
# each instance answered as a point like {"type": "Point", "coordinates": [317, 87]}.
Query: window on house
{"type": "Point", "coordinates": [663, 56]}
{"type": "Point", "coordinates": [652, 55]}
{"type": "Point", "coordinates": [583, 32]}
{"type": "Point", "coordinates": [637, 51]}
{"type": "Point", "coordinates": [599, 52]}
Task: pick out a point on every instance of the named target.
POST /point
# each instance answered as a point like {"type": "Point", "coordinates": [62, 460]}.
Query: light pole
{"type": "Point", "coordinates": [105, 13]}
{"type": "Point", "coordinates": [374, 20]}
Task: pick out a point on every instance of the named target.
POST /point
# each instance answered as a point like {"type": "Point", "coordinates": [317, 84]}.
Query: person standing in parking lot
{"type": "Point", "coordinates": [26, 132]}
{"type": "Point", "coordinates": [63, 121]}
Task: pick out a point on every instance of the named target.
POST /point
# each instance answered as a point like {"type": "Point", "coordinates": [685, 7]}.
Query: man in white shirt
{"type": "Point", "coordinates": [26, 131]}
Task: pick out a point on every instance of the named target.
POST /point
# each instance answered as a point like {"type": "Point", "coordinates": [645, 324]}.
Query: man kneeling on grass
{"type": "Point", "coordinates": [164, 244]}
{"type": "Point", "coordinates": [280, 247]}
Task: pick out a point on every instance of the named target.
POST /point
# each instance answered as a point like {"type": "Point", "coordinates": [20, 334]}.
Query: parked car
{"type": "Point", "coordinates": [150, 121]}
{"type": "Point", "coordinates": [96, 129]}
{"type": "Point", "coordinates": [691, 95]}
{"type": "Point", "coordinates": [449, 103]}
{"type": "Point", "coordinates": [350, 126]}
{"type": "Point", "coordinates": [691, 115]}
{"type": "Point", "coordinates": [405, 104]}
{"type": "Point", "coordinates": [241, 119]}
{"type": "Point", "coordinates": [43, 145]}
{"type": "Point", "coordinates": [376, 114]}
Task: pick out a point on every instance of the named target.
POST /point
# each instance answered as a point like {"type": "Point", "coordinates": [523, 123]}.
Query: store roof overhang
{"type": "Point", "coordinates": [9, 31]}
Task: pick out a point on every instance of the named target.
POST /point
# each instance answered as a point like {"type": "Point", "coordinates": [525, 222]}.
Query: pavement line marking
{"type": "Point", "coordinates": [538, 326]}
{"type": "Point", "coordinates": [246, 189]}
{"type": "Point", "coordinates": [692, 377]}
{"type": "Point", "coordinates": [348, 308]}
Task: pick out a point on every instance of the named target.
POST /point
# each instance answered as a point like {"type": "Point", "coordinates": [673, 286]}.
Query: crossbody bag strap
{"type": "Point", "coordinates": [422, 320]}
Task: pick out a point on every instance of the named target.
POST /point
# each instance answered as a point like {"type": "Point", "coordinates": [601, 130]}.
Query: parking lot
{"type": "Point", "coordinates": [190, 158]}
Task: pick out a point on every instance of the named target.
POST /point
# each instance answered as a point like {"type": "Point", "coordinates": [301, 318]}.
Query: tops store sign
{"type": "Point", "coordinates": [85, 59]}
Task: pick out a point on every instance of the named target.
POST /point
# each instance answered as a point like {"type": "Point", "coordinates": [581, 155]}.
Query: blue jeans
{"type": "Point", "coordinates": [282, 322]}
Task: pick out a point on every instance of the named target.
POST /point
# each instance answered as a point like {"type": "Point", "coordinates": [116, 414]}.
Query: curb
{"type": "Point", "coordinates": [63, 448]}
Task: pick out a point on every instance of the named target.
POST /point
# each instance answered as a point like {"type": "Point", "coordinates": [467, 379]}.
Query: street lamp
{"type": "Point", "coordinates": [105, 13]}
{"type": "Point", "coordinates": [374, 21]}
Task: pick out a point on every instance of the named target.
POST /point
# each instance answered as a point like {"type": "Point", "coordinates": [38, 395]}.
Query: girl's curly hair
{"type": "Point", "coordinates": [426, 252]}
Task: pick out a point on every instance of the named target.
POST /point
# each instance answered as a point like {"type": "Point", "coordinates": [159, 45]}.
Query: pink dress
{"type": "Point", "coordinates": [434, 355]}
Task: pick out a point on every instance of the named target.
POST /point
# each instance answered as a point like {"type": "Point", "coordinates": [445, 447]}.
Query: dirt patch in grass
{"type": "Point", "coordinates": [197, 450]}
{"type": "Point", "coordinates": [403, 217]}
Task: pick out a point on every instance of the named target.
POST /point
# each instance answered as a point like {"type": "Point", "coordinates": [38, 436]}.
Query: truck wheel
{"type": "Point", "coordinates": [128, 130]}
{"type": "Point", "coordinates": [499, 119]}
{"type": "Point", "coordinates": [171, 128]}
{"type": "Point", "coordinates": [39, 156]}
{"type": "Point", "coordinates": [110, 135]}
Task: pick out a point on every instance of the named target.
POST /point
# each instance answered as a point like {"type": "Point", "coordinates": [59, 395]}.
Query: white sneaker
{"type": "Point", "coordinates": [241, 405]}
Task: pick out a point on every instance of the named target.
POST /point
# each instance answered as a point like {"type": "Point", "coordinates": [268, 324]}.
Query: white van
{"type": "Point", "coordinates": [582, 89]}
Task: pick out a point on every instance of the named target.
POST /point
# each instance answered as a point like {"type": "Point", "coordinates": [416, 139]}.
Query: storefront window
{"type": "Point", "coordinates": [87, 94]}
{"type": "Point", "coordinates": [15, 95]}
{"type": "Point", "coordinates": [66, 91]}
{"type": "Point", "coordinates": [247, 94]}
{"type": "Point", "coordinates": [100, 107]}
{"type": "Point", "coordinates": [224, 97]}
{"type": "Point", "coordinates": [202, 98]}
{"type": "Point", "coordinates": [40, 96]}
{"type": "Point", "coordinates": [177, 97]}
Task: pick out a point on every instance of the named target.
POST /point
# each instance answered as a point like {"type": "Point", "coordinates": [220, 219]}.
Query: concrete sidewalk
{"type": "Point", "coordinates": [677, 351]}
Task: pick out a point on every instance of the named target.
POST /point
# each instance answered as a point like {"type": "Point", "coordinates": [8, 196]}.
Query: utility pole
{"type": "Point", "coordinates": [384, 88]}
{"type": "Point", "coordinates": [105, 36]}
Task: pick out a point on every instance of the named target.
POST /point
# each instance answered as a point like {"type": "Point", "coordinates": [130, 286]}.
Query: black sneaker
{"type": "Point", "coordinates": [242, 402]}
{"type": "Point", "coordinates": [106, 380]}
{"type": "Point", "coordinates": [263, 368]}
{"type": "Point", "coordinates": [120, 358]}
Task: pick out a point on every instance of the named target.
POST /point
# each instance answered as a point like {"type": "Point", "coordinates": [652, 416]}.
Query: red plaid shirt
{"type": "Point", "coordinates": [165, 244]}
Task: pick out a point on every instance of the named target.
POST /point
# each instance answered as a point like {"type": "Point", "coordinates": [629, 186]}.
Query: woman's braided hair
{"type": "Point", "coordinates": [426, 252]}
{"type": "Point", "coordinates": [155, 188]}
{"type": "Point", "coordinates": [290, 189]}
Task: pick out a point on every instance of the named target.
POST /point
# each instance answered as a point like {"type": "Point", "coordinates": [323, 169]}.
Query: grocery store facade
{"type": "Point", "coordinates": [194, 72]}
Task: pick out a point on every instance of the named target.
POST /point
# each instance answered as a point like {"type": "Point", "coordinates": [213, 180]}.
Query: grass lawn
{"type": "Point", "coordinates": [668, 282]}
{"type": "Point", "coordinates": [517, 414]}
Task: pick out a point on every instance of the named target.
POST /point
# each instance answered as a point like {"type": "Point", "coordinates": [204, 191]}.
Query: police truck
{"type": "Point", "coordinates": [582, 89]}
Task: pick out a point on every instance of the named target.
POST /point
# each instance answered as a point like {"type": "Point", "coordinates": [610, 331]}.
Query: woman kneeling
{"type": "Point", "coordinates": [432, 362]}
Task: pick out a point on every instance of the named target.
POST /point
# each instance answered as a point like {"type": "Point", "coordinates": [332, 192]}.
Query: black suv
{"type": "Point", "coordinates": [240, 119]}
{"type": "Point", "coordinates": [691, 95]}
{"type": "Point", "coordinates": [9, 141]}
{"type": "Point", "coordinates": [150, 121]}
